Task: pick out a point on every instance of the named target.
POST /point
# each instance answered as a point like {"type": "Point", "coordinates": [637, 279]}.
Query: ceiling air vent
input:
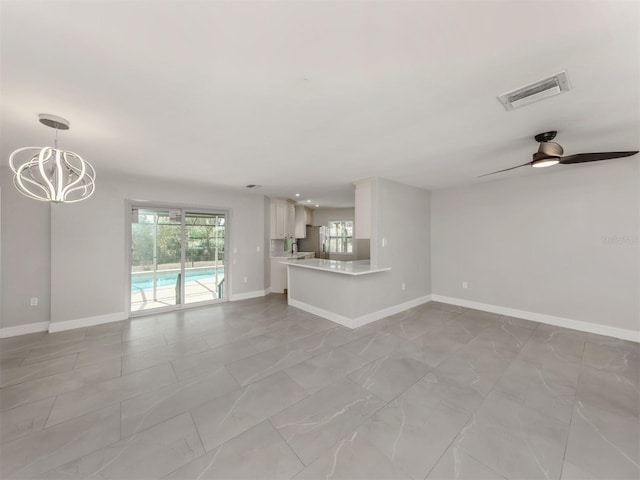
{"type": "Point", "coordinates": [251, 185]}
{"type": "Point", "coordinates": [535, 92]}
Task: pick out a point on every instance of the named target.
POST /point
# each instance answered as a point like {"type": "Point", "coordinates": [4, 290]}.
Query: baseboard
{"type": "Point", "coordinates": [580, 325]}
{"type": "Point", "coordinates": [24, 329]}
{"type": "Point", "coordinates": [87, 322]}
{"type": "Point", "coordinates": [364, 319]}
{"type": "Point", "coordinates": [245, 296]}
{"type": "Point", "coordinates": [334, 317]}
{"type": "Point", "coordinates": [385, 312]}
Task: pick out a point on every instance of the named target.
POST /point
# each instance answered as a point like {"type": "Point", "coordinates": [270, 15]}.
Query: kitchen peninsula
{"type": "Point", "coordinates": [396, 278]}
{"type": "Point", "coordinates": [335, 290]}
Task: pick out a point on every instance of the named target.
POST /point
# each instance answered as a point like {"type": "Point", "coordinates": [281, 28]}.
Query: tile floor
{"type": "Point", "coordinates": [257, 389]}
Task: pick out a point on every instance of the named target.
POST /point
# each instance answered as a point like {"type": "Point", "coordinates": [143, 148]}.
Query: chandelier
{"type": "Point", "coordinates": [50, 174]}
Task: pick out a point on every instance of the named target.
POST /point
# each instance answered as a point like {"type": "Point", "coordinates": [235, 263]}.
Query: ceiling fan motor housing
{"type": "Point", "coordinates": [549, 149]}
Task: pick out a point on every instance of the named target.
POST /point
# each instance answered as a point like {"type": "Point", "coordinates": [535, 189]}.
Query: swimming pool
{"type": "Point", "coordinates": [144, 280]}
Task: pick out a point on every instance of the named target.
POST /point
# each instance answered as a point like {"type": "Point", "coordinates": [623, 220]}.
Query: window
{"type": "Point", "coordinates": [341, 236]}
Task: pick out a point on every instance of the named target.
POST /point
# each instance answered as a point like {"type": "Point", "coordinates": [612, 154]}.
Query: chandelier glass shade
{"type": "Point", "coordinates": [49, 174]}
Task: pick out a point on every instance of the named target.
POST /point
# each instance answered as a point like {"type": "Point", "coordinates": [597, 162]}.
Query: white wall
{"type": "Point", "coordinates": [562, 242]}
{"type": "Point", "coordinates": [401, 216]}
{"type": "Point", "coordinates": [24, 242]}
{"type": "Point", "coordinates": [88, 262]}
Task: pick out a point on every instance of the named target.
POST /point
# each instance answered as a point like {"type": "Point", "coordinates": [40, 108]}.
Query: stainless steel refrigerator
{"type": "Point", "coordinates": [316, 241]}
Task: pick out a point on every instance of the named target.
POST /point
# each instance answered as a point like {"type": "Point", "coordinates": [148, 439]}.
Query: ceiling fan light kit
{"type": "Point", "coordinates": [547, 162]}
{"type": "Point", "coordinates": [49, 174]}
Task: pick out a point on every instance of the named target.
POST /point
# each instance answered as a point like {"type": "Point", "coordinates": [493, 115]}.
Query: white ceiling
{"type": "Point", "coordinates": [311, 96]}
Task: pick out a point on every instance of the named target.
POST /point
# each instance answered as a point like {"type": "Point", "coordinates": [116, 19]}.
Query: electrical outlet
{"type": "Point", "coordinates": [258, 249]}
{"type": "Point", "coordinates": [465, 285]}
{"type": "Point", "coordinates": [34, 301]}
{"type": "Point", "coordinates": [403, 286]}
{"type": "Point", "coordinates": [384, 242]}
{"type": "Point", "coordinates": [246, 279]}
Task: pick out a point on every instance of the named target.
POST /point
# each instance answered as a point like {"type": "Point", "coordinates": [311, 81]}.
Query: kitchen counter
{"type": "Point", "coordinates": [292, 256]}
{"type": "Point", "coordinates": [357, 267]}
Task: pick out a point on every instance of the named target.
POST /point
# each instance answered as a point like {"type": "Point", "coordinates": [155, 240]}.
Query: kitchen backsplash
{"type": "Point", "coordinates": [280, 246]}
{"type": "Point", "coordinates": [363, 249]}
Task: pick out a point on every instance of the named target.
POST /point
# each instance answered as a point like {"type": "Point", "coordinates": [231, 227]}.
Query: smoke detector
{"type": "Point", "coordinates": [548, 87]}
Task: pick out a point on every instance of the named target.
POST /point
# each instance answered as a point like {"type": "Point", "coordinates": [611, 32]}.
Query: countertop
{"type": "Point", "coordinates": [287, 255]}
{"type": "Point", "coordinates": [357, 267]}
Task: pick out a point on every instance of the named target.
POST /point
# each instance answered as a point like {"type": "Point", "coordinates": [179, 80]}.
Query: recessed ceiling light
{"type": "Point", "coordinates": [317, 205]}
{"type": "Point", "coordinates": [308, 201]}
{"type": "Point", "coordinates": [297, 194]}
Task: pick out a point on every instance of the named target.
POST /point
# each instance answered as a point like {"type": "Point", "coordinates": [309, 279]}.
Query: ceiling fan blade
{"type": "Point", "coordinates": [594, 157]}
{"type": "Point", "coordinates": [499, 171]}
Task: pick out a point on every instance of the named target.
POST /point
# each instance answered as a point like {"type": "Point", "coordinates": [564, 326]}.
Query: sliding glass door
{"type": "Point", "coordinates": [204, 267]}
{"type": "Point", "coordinates": [177, 258]}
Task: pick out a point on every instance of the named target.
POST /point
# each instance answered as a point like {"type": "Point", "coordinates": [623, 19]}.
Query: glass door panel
{"type": "Point", "coordinates": [204, 257]}
{"type": "Point", "coordinates": [156, 259]}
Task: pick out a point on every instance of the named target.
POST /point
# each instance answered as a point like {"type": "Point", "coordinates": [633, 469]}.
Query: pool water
{"type": "Point", "coordinates": [143, 281]}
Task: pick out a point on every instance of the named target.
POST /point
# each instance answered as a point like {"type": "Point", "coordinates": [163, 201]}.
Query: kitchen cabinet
{"type": "Point", "coordinates": [282, 219]}
{"type": "Point", "coordinates": [278, 275]}
{"type": "Point", "coordinates": [290, 230]}
{"type": "Point", "coordinates": [278, 219]}
{"type": "Point", "coordinates": [303, 218]}
{"type": "Point", "coordinates": [301, 222]}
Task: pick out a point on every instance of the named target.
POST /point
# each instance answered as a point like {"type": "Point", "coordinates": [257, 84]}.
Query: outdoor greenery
{"type": "Point", "coordinates": [204, 239]}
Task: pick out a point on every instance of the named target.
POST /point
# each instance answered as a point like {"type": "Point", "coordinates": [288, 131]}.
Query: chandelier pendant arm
{"type": "Point", "coordinates": [29, 175]}
{"type": "Point", "coordinates": [81, 174]}
{"type": "Point", "coordinates": [90, 188]}
{"type": "Point", "coordinates": [86, 188]}
{"type": "Point", "coordinates": [42, 161]}
{"type": "Point", "coordinates": [28, 194]}
{"type": "Point", "coordinates": [21, 177]}
{"type": "Point", "coordinates": [23, 149]}
{"type": "Point", "coordinates": [59, 175]}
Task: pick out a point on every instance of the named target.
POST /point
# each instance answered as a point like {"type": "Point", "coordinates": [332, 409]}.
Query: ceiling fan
{"type": "Point", "coordinates": [550, 153]}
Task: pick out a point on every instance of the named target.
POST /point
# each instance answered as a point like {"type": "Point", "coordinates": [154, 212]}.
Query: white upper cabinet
{"type": "Point", "coordinates": [282, 219]}
{"type": "Point", "coordinates": [301, 221]}
{"type": "Point", "coordinates": [290, 230]}
{"type": "Point", "coordinates": [278, 220]}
